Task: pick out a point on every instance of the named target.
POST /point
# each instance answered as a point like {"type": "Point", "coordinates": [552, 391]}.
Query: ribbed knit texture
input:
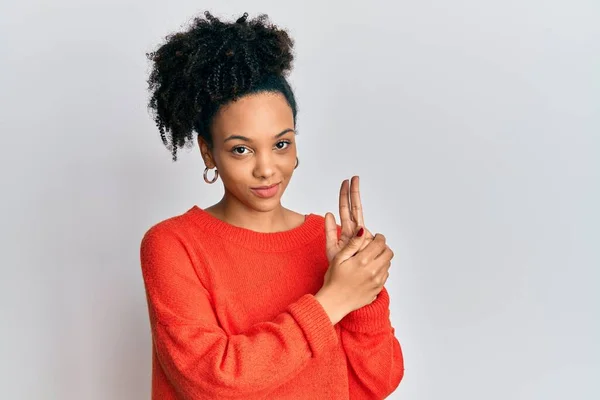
{"type": "Point", "coordinates": [233, 316]}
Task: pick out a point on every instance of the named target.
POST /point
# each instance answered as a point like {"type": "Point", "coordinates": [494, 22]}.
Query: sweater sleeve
{"type": "Point", "coordinates": [374, 356]}
{"type": "Point", "coordinates": [199, 358]}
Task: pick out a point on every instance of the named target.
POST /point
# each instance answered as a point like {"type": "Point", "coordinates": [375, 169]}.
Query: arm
{"type": "Point", "coordinates": [374, 357]}
{"type": "Point", "coordinates": [199, 358]}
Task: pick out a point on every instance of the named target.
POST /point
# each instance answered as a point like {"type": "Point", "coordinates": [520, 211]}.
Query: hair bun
{"type": "Point", "coordinates": [246, 33]}
{"type": "Point", "coordinates": [258, 39]}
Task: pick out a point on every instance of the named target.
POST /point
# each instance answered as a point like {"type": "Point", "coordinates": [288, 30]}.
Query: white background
{"type": "Point", "coordinates": [474, 126]}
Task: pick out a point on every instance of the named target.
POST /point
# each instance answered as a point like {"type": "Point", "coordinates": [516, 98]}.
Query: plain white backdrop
{"type": "Point", "coordinates": [474, 126]}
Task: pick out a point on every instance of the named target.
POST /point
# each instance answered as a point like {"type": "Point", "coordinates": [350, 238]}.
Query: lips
{"type": "Point", "coordinates": [266, 191]}
{"type": "Point", "coordinates": [265, 187]}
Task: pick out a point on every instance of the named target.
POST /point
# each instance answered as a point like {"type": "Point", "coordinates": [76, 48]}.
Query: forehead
{"type": "Point", "coordinates": [258, 114]}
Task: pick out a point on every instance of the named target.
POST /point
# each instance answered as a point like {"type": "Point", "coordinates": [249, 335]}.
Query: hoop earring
{"type": "Point", "coordinates": [215, 177]}
{"type": "Point", "coordinates": [297, 163]}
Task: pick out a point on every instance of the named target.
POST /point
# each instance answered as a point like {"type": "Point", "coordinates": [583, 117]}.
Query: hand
{"type": "Point", "coordinates": [351, 214]}
{"type": "Point", "coordinates": [354, 278]}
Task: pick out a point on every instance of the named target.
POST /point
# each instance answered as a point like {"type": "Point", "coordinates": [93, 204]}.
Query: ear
{"type": "Point", "coordinates": [206, 153]}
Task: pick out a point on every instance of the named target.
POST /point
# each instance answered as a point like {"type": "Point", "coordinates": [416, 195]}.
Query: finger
{"type": "Point", "coordinates": [365, 243]}
{"type": "Point", "coordinates": [368, 239]}
{"type": "Point", "coordinates": [384, 277]}
{"type": "Point", "coordinates": [331, 236]}
{"type": "Point", "coordinates": [351, 247]}
{"type": "Point", "coordinates": [368, 234]}
{"type": "Point", "coordinates": [356, 204]}
{"type": "Point", "coordinates": [383, 264]}
{"type": "Point", "coordinates": [374, 248]}
{"type": "Point", "coordinates": [345, 216]}
{"type": "Point", "coordinates": [387, 253]}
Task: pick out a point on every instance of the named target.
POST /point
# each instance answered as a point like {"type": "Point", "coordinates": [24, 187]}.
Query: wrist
{"type": "Point", "coordinates": [332, 306]}
{"type": "Point", "coordinates": [370, 318]}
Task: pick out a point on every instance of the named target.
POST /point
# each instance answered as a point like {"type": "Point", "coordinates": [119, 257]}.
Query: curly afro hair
{"type": "Point", "coordinates": [210, 64]}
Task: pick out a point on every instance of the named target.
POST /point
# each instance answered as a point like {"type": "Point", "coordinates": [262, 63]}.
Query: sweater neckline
{"type": "Point", "coordinates": [265, 241]}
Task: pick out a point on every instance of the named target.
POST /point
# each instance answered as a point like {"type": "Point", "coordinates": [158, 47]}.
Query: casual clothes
{"type": "Point", "coordinates": [233, 316]}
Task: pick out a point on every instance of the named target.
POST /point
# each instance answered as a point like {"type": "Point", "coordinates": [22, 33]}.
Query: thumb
{"type": "Point", "coordinates": [331, 236]}
{"type": "Point", "coordinates": [353, 245]}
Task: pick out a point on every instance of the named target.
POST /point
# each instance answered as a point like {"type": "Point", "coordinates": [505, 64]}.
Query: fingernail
{"type": "Point", "coordinates": [360, 232]}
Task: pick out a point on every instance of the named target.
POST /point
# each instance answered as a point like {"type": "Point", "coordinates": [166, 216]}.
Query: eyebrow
{"type": "Point", "coordinates": [250, 140]}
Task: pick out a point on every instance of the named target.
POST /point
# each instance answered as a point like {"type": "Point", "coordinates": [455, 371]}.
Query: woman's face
{"type": "Point", "coordinates": [254, 146]}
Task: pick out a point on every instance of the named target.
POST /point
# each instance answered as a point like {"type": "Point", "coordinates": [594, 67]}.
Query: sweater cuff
{"type": "Point", "coordinates": [370, 318]}
{"type": "Point", "coordinates": [315, 323]}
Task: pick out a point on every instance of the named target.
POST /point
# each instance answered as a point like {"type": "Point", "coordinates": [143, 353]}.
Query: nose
{"type": "Point", "coordinates": [264, 167]}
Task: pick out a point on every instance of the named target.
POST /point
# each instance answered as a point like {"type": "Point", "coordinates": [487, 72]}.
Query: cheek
{"type": "Point", "coordinates": [288, 170]}
{"type": "Point", "coordinates": [233, 172]}
{"type": "Point", "coordinates": [291, 159]}
{"type": "Point", "coordinates": [287, 166]}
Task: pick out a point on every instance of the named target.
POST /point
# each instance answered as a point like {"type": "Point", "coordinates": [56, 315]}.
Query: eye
{"type": "Point", "coordinates": [234, 150]}
{"type": "Point", "coordinates": [283, 142]}
{"type": "Point", "coordinates": [239, 150]}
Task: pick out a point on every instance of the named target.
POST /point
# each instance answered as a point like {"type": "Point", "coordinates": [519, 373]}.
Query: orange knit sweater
{"type": "Point", "coordinates": [233, 316]}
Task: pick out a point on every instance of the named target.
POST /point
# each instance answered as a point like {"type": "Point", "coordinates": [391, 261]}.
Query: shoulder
{"type": "Point", "coordinates": [162, 227]}
{"type": "Point", "coordinates": [171, 247]}
{"type": "Point", "coordinates": [160, 238]}
{"type": "Point", "coordinates": [175, 228]}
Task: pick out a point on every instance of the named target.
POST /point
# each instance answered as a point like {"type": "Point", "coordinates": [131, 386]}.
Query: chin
{"type": "Point", "coordinates": [266, 204]}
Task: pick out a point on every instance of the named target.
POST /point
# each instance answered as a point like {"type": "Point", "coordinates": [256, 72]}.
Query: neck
{"type": "Point", "coordinates": [234, 212]}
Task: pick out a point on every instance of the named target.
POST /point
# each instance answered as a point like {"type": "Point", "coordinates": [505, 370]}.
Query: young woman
{"type": "Point", "coordinates": [248, 299]}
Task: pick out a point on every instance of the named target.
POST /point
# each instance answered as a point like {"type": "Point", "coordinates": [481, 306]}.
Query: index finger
{"type": "Point", "coordinates": [345, 216]}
